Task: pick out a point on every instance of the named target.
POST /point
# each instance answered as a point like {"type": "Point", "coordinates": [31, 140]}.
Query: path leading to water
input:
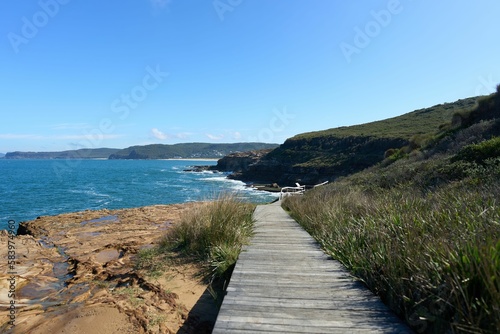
{"type": "Point", "coordinates": [284, 283]}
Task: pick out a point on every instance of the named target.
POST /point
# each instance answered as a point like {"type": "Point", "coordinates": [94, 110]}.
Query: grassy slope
{"type": "Point", "coordinates": [419, 122]}
{"type": "Point", "coordinates": [422, 228]}
{"type": "Point", "coordinates": [325, 155]}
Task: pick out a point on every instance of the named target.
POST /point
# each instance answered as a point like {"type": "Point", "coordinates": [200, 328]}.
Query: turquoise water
{"type": "Point", "coordinates": [32, 188]}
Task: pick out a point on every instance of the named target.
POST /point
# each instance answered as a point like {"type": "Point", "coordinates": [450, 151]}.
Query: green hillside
{"type": "Point", "coordinates": [325, 155]}
{"type": "Point", "coordinates": [187, 150]}
{"type": "Point", "coordinates": [85, 153]}
{"type": "Point", "coordinates": [421, 228]}
{"type": "Point", "coordinates": [419, 122]}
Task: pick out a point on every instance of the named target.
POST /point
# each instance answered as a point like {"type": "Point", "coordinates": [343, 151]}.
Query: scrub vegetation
{"type": "Point", "coordinates": [422, 228]}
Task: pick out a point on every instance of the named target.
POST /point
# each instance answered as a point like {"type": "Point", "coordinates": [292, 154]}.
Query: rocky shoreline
{"type": "Point", "coordinates": [76, 273]}
{"type": "Point", "coordinates": [238, 165]}
{"type": "Point", "coordinates": [307, 159]}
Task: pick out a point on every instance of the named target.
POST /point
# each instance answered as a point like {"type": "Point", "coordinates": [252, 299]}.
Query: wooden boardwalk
{"type": "Point", "coordinates": [284, 283]}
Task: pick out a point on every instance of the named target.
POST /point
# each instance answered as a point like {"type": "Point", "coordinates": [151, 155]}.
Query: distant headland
{"type": "Point", "coordinates": [154, 151]}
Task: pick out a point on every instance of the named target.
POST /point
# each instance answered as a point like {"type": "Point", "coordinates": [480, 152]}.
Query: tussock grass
{"type": "Point", "coordinates": [433, 256]}
{"type": "Point", "coordinates": [213, 232]}
{"type": "Point", "coordinates": [153, 260]}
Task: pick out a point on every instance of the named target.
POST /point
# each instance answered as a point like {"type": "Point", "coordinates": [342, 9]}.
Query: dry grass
{"type": "Point", "coordinates": [433, 257]}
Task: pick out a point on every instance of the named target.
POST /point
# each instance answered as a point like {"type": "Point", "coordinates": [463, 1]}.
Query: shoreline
{"type": "Point", "coordinates": [77, 269]}
{"type": "Point", "coordinates": [172, 184]}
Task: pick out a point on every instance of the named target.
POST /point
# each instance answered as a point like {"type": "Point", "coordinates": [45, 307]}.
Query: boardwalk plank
{"type": "Point", "coordinates": [284, 283]}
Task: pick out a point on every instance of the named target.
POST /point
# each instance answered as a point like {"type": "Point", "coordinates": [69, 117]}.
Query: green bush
{"type": "Point", "coordinates": [420, 141]}
{"type": "Point", "coordinates": [213, 232]}
{"type": "Point", "coordinates": [396, 154]}
{"type": "Point", "coordinates": [480, 152]}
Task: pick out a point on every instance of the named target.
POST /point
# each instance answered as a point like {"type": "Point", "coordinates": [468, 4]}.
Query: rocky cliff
{"type": "Point", "coordinates": [315, 157]}
{"type": "Point", "coordinates": [240, 161]}
{"type": "Point", "coordinates": [314, 160]}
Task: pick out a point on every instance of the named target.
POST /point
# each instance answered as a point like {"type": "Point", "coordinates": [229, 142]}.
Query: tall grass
{"type": "Point", "coordinates": [213, 232]}
{"type": "Point", "coordinates": [433, 256]}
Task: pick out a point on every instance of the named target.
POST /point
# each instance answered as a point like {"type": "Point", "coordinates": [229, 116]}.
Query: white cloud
{"type": "Point", "coordinates": [236, 135]}
{"type": "Point", "coordinates": [214, 137]}
{"type": "Point", "coordinates": [158, 134]}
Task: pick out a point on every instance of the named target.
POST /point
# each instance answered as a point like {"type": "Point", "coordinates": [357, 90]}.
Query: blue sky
{"type": "Point", "coordinates": [117, 73]}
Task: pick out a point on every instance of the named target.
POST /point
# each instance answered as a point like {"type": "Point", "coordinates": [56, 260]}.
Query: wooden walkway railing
{"type": "Point", "coordinates": [284, 283]}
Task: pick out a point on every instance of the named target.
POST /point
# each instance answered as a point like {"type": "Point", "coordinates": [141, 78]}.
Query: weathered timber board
{"type": "Point", "coordinates": [284, 283]}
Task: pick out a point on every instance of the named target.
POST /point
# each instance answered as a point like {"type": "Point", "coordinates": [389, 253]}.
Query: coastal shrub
{"type": "Point", "coordinates": [444, 127]}
{"type": "Point", "coordinates": [213, 232]}
{"type": "Point", "coordinates": [460, 118]}
{"type": "Point", "coordinates": [390, 152]}
{"type": "Point", "coordinates": [480, 152]}
{"type": "Point", "coordinates": [420, 141]}
{"type": "Point", "coordinates": [399, 154]}
{"type": "Point", "coordinates": [433, 256]}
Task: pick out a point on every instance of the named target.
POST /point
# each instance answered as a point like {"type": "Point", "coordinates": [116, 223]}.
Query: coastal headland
{"type": "Point", "coordinates": [410, 209]}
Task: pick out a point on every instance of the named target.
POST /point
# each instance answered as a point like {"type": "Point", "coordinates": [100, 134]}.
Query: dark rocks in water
{"type": "Point", "coordinates": [274, 188]}
{"type": "Point", "coordinates": [197, 169]}
{"type": "Point", "coordinates": [22, 229]}
{"type": "Point", "coordinates": [235, 163]}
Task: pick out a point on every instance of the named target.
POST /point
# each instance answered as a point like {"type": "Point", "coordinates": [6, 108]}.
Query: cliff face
{"type": "Point", "coordinates": [314, 160]}
{"type": "Point", "coordinates": [314, 157]}
{"type": "Point", "coordinates": [239, 162]}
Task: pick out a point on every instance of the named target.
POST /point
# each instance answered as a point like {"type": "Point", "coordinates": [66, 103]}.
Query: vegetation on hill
{"type": "Point", "coordinates": [84, 153]}
{"type": "Point", "coordinates": [421, 228]}
{"type": "Point", "coordinates": [187, 150]}
{"type": "Point", "coordinates": [419, 122]}
{"type": "Point", "coordinates": [326, 155]}
{"type": "Point", "coordinates": [155, 151]}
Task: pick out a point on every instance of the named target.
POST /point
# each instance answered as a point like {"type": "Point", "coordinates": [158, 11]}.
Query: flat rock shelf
{"type": "Point", "coordinates": [284, 283]}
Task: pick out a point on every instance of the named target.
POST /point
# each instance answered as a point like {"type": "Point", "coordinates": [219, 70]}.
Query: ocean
{"type": "Point", "coordinates": [32, 188]}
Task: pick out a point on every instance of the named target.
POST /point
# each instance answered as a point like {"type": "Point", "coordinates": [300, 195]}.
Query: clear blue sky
{"type": "Point", "coordinates": [116, 73]}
